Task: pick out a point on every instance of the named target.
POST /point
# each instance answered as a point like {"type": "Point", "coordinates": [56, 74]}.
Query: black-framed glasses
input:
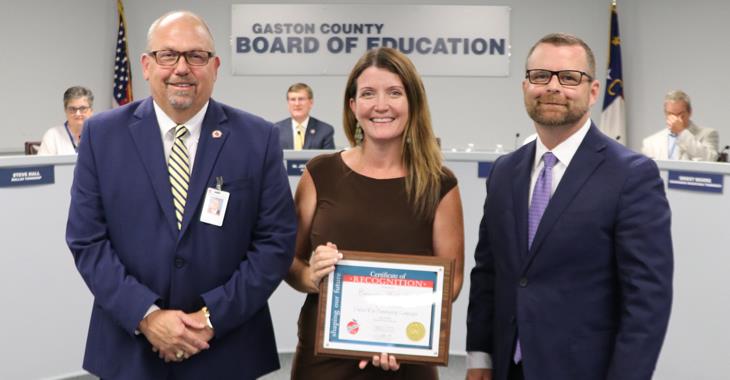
{"type": "Point", "coordinates": [73, 110]}
{"type": "Point", "coordinates": [565, 77]}
{"type": "Point", "coordinates": [171, 57]}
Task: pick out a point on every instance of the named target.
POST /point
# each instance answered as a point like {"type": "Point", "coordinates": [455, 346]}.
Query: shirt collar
{"type": "Point", "coordinates": [565, 151]}
{"type": "Point", "coordinates": [194, 125]}
{"type": "Point", "coordinates": [304, 124]}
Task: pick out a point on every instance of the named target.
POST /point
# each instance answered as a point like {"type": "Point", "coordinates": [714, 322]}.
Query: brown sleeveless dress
{"type": "Point", "coordinates": [361, 214]}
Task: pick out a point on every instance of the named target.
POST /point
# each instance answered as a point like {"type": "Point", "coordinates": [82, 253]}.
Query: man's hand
{"type": "Point", "coordinates": [479, 374]}
{"type": "Point", "coordinates": [197, 324]}
{"type": "Point", "coordinates": [168, 332]}
{"type": "Point", "coordinates": [676, 124]}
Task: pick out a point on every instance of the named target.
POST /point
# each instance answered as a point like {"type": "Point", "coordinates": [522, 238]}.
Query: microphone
{"type": "Point", "coordinates": [618, 137]}
{"type": "Point", "coordinates": [517, 140]}
{"type": "Point", "coordinates": [722, 157]}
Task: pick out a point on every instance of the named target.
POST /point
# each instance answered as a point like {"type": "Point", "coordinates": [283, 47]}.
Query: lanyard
{"type": "Point", "coordinates": [76, 149]}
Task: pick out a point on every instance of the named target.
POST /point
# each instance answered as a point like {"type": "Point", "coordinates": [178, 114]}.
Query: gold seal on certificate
{"type": "Point", "coordinates": [394, 303]}
{"type": "Point", "coordinates": [415, 331]}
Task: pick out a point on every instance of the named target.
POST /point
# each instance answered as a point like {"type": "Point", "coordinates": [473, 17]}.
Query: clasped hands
{"type": "Point", "coordinates": [175, 335]}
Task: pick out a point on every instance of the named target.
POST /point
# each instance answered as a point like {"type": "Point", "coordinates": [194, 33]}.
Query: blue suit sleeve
{"type": "Point", "coordinates": [644, 257]}
{"type": "Point", "coordinates": [480, 313]}
{"type": "Point", "coordinates": [269, 255]}
{"type": "Point", "coordinates": [119, 294]}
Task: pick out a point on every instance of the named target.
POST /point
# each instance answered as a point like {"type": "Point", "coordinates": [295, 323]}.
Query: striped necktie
{"type": "Point", "coordinates": [299, 138]}
{"type": "Point", "coordinates": [179, 168]}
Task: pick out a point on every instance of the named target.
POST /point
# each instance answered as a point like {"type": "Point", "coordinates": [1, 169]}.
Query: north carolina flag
{"type": "Point", "coordinates": [613, 117]}
{"type": "Point", "coordinates": [122, 91]}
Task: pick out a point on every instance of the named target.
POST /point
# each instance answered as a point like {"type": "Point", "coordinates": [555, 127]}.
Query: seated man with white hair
{"type": "Point", "coordinates": [681, 139]}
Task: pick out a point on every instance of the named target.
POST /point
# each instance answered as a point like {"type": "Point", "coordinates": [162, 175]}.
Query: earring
{"type": "Point", "coordinates": [358, 134]}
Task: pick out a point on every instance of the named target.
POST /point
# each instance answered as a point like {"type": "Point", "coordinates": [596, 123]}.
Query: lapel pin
{"type": "Point", "coordinates": [217, 134]}
{"type": "Point", "coordinates": [312, 131]}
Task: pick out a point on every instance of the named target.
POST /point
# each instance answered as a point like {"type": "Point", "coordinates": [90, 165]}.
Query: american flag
{"type": "Point", "coordinates": [122, 72]}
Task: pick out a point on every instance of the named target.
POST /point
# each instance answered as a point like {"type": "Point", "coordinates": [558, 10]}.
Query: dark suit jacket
{"type": "Point", "coordinates": [591, 298]}
{"type": "Point", "coordinates": [123, 236]}
{"type": "Point", "coordinates": [319, 135]}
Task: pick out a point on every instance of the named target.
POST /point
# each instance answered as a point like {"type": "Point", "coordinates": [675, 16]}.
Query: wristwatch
{"type": "Point", "coordinates": [207, 316]}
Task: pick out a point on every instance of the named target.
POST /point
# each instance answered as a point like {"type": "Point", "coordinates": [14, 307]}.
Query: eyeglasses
{"type": "Point", "coordinates": [171, 57]}
{"type": "Point", "coordinates": [565, 77]}
{"type": "Point", "coordinates": [73, 110]}
{"type": "Point", "coordinates": [297, 99]}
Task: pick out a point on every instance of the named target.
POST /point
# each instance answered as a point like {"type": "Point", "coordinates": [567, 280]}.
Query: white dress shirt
{"type": "Point", "coordinates": [294, 130]}
{"type": "Point", "coordinates": [564, 152]}
{"type": "Point", "coordinates": [167, 131]}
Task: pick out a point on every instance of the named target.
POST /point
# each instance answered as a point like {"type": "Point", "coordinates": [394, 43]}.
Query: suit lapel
{"type": "Point", "coordinates": [520, 197]}
{"type": "Point", "coordinates": [287, 140]}
{"type": "Point", "coordinates": [145, 133]}
{"type": "Point", "coordinates": [310, 133]}
{"type": "Point", "coordinates": [206, 156]}
{"type": "Point", "coordinates": [587, 158]}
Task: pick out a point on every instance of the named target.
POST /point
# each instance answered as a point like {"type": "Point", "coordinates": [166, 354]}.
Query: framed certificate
{"type": "Point", "coordinates": [383, 302]}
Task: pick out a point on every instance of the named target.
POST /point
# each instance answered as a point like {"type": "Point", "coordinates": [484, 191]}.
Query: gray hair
{"type": "Point", "coordinates": [179, 13]}
{"type": "Point", "coordinates": [564, 39]}
{"type": "Point", "coordinates": [679, 96]}
{"type": "Point", "coordinates": [78, 92]}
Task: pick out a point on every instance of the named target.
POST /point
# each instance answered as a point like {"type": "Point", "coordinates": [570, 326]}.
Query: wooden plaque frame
{"type": "Point", "coordinates": [444, 325]}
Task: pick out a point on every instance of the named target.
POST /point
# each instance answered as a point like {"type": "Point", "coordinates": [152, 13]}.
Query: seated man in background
{"type": "Point", "coordinates": [301, 131]}
{"type": "Point", "coordinates": [682, 139]}
{"type": "Point", "coordinates": [78, 104]}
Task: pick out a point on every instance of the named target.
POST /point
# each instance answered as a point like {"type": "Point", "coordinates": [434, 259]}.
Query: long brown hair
{"type": "Point", "coordinates": [421, 155]}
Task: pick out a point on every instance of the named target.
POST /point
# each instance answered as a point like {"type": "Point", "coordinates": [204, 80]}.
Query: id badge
{"type": "Point", "coordinates": [214, 207]}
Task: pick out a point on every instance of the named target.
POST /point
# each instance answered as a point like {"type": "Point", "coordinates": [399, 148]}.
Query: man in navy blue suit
{"type": "Point", "coordinates": [180, 293]}
{"type": "Point", "coordinates": [302, 131]}
{"type": "Point", "coordinates": [573, 275]}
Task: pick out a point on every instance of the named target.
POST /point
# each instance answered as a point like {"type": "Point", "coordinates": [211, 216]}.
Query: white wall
{"type": "Point", "coordinates": [667, 44]}
{"type": "Point", "coordinates": [47, 47]}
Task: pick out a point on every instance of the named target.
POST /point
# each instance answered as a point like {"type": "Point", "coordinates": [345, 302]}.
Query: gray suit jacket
{"type": "Point", "coordinates": [319, 135]}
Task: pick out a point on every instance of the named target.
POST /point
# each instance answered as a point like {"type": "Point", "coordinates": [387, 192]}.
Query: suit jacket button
{"type": "Point", "coordinates": [523, 282]}
{"type": "Point", "coordinates": [179, 262]}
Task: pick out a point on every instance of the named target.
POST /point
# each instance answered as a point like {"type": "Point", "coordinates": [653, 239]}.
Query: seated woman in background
{"type": "Point", "coordinates": [389, 193]}
{"type": "Point", "coordinates": [78, 104]}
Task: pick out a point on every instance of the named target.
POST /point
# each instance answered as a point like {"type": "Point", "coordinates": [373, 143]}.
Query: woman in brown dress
{"type": "Point", "coordinates": [388, 193]}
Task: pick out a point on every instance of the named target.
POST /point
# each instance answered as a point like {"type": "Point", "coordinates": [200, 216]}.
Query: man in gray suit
{"type": "Point", "coordinates": [681, 139]}
{"type": "Point", "coordinates": [301, 131]}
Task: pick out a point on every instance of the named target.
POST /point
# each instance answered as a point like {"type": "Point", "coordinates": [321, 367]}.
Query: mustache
{"type": "Point", "coordinates": [551, 99]}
